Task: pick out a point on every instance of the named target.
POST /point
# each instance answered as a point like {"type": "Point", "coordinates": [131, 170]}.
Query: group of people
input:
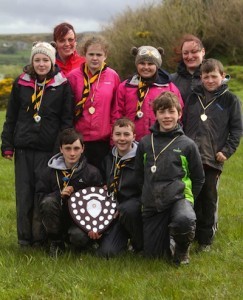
{"type": "Point", "coordinates": [156, 142]}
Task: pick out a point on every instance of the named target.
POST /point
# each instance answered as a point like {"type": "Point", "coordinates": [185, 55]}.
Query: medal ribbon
{"type": "Point", "coordinates": [152, 143]}
{"type": "Point", "coordinates": [119, 165]}
{"type": "Point", "coordinates": [143, 90]}
{"type": "Point", "coordinates": [205, 107]}
{"type": "Point", "coordinates": [88, 81]}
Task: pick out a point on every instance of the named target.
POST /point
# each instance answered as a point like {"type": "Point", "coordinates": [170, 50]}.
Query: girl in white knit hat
{"type": "Point", "coordinates": [40, 106]}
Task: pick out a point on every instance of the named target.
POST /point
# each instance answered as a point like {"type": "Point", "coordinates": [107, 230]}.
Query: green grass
{"type": "Point", "coordinates": [20, 58]}
{"type": "Point", "coordinates": [11, 71]}
{"type": "Point", "coordinates": [236, 81]}
{"type": "Point", "coordinates": [32, 274]}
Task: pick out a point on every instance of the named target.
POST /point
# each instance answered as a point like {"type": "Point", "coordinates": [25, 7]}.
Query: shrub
{"type": "Point", "coordinates": [5, 90]}
{"type": "Point", "coordinates": [217, 22]}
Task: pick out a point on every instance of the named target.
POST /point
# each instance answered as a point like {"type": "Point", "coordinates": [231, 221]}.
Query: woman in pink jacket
{"type": "Point", "coordinates": [135, 95]}
{"type": "Point", "coordinates": [94, 87]}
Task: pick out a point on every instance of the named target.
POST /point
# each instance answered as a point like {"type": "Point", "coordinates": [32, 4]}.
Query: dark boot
{"type": "Point", "coordinates": [57, 248]}
{"type": "Point", "coordinates": [181, 255]}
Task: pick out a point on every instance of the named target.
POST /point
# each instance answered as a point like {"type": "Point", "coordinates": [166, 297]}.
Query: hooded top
{"type": "Point", "coordinates": [179, 172]}
{"type": "Point", "coordinates": [20, 129]}
{"type": "Point", "coordinates": [84, 175]}
{"type": "Point", "coordinates": [185, 81]}
{"type": "Point", "coordinates": [127, 99]}
{"type": "Point", "coordinates": [223, 128]}
{"type": "Point", "coordinates": [128, 188]}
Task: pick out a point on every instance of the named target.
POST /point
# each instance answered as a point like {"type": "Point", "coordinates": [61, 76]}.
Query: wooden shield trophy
{"type": "Point", "coordinates": [92, 209]}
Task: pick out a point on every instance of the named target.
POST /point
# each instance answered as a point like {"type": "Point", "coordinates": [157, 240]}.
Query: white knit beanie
{"type": "Point", "coordinates": [148, 53]}
{"type": "Point", "coordinates": [44, 48]}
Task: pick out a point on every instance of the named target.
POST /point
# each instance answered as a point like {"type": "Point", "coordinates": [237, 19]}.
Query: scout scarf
{"type": "Point", "coordinates": [67, 175]}
{"type": "Point", "coordinates": [37, 98]}
{"type": "Point", "coordinates": [119, 165]}
{"type": "Point", "coordinates": [86, 90]}
{"type": "Point", "coordinates": [142, 92]}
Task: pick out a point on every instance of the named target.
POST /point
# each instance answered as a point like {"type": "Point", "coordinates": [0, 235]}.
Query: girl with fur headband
{"type": "Point", "coordinates": [136, 94]}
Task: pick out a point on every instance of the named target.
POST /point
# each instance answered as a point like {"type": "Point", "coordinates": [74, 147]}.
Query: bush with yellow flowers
{"type": "Point", "coordinates": [5, 90]}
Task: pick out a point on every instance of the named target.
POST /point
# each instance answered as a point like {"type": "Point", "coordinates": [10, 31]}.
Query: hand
{"type": "Point", "coordinates": [10, 157]}
{"type": "Point", "coordinates": [94, 235]}
{"type": "Point", "coordinates": [220, 157]}
{"type": "Point", "coordinates": [67, 191]}
{"type": "Point", "coordinates": [116, 214]}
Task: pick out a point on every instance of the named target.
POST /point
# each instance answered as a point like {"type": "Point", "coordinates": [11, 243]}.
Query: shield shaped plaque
{"type": "Point", "coordinates": [92, 209]}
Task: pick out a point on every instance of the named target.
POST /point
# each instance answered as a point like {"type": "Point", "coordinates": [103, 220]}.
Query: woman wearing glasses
{"type": "Point", "coordinates": [190, 55]}
{"type": "Point", "coordinates": [136, 94]}
{"type": "Point", "coordinates": [67, 57]}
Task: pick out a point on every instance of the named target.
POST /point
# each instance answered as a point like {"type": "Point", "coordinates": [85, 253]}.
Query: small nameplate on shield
{"type": "Point", "coordinates": [92, 209]}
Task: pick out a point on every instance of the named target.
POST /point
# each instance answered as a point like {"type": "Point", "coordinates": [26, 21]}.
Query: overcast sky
{"type": "Point", "coordinates": [40, 16]}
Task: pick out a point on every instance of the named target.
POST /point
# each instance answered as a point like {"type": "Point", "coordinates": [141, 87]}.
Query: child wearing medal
{"type": "Point", "coordinates": [40, 105]}
{"type": "Point", "coordinates": [170, 172]}
{"type": "Point", "coordinates": [136, 94]}
{"type": "Point", "coordinates": [94, 85]}
{"type": "Point", "coordinates": [212, 118]}
{"type": "Point", "coordinates": [67, 172]}
{"type": "Point", "coordinates": [119, 176]}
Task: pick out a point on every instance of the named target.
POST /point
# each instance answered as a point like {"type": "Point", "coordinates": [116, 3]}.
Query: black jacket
{"type": "Point", "coordinates": [85, 175]}
{"type": "Point", "coordinates": [223, 128]}
{"type": "Point", "coordinates": [179, 173]}
{"type": "Point", "coordinates": [185, 81]}
{"type": "Point", "coordinates": [128, 186]}
{"type": "Point", "coordinates": [56, 111]}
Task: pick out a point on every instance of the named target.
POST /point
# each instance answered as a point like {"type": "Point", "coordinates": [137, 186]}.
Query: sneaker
{"type": "Point", "coordinates": [204, 248]}
{"type": "Point", "coordinates": [57, 248]}
{"type": "Point", "coordinates": [181, 257]}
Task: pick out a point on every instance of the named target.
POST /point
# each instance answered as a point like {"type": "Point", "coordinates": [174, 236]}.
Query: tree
{"type": "Point", "coordinates": [217, 22]}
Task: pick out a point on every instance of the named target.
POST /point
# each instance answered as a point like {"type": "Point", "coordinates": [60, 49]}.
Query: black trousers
{"type": "Point", "coordinates": [179, 222]}
{"type": "Point", "coordinates": [206, 207]}
{"type": "Point", "coordinates": [29, 165]}
{"type": "Point", "coordinates": [59, 225]}
{"type": "Point", "coordinates": [127, 226]}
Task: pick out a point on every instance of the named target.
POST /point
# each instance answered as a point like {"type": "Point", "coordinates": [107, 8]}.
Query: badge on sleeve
{"type": "Point", "coordinates": [92, 209]}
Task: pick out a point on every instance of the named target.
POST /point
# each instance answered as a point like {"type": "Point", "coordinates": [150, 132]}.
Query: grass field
{"type": "Point", "coordinates": [32, 274]}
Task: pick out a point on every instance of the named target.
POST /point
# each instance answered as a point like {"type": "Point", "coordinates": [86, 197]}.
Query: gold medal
{"type": "Point", "coordinates": [91, 110]}
{"type": "Point", "coordinates": [37, 118]}
{"type": "Point", "coordinates": [204, 117]}
{"type": "Point", "coordinates": [153, 169]}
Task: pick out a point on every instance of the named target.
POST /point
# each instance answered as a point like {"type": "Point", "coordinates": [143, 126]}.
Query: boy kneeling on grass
{"type": "Point", "coordinates": [170, 173]}
{"type": "Point", "coordinates": [121, 182]}
{"type": "Point", "coordinates": [67, 172]}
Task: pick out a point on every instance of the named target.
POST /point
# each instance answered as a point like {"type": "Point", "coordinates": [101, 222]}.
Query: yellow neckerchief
{"type": "Point", "coordinates": [143, 90]}
{"type": "Point", "coordinates": [38, 95]}
{"type": "Point", "coordinates": [88, 81]}
{"type": "Point", "coordinates": [66, 178]}
{"type": "Point", "coordinates": [119, 165]}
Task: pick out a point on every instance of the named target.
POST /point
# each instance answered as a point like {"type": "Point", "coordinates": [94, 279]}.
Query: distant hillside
{"type": "Point", "coordinates": [30, 38]}
{"type": "Point", "coordinates": [15, 48]}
